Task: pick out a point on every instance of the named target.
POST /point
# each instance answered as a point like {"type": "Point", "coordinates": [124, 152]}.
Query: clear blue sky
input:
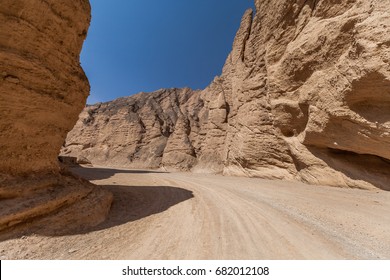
{"type": "Point", "coordinates": [145, 45]}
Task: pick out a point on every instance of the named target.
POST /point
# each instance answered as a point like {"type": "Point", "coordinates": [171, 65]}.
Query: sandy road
{"type": "Point", "coordinates": [197, 216]}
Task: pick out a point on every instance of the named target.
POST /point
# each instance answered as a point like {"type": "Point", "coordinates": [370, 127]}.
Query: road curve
{"type": "Point", "coordinates": [196, 216]}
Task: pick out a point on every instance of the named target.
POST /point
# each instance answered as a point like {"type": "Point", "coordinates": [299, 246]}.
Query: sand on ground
{"type": "Point", "coordinates": [157, 215]}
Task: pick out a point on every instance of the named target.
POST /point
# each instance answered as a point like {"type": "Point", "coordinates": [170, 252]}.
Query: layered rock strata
{"type": "Point", "coordinates": [304, 95]}
{"type": "Point", "coordinates": [42, 91]}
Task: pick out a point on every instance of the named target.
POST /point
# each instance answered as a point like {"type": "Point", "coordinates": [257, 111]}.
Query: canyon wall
{"type": "Point", "coordinates": [304, 95]}
{"type": "Point", "coordinates": [42, 91]}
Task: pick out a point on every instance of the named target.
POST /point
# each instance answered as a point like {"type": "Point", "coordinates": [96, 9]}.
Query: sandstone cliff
{"type": "Point", "coordinates": [304, 95]}
{"type": "Point", "coordinates": [42, 91]}
{"type": "Point", "coordinates": [144, 130]}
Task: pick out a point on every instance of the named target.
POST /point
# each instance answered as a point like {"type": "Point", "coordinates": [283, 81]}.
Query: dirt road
{"type": "Point", "coordinates": [196, 216]}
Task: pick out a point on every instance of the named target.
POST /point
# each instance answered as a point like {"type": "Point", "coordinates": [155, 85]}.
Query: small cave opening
{"type": "Point", "coordinates": [365, 167]}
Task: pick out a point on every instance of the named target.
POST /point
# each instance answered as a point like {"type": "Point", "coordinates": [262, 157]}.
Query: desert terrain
{"type": "Point", "coordinates": [158, 215]}
{"type": "Point", "coordinates": [285, 155]}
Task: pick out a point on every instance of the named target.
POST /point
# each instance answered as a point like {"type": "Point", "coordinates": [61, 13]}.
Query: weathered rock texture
{"type": "Point", "coordinates": [143, 131]}
{"type": "Point", "coordinates": [304, 95]}
{"type": "Point", "coordinates": [42, 91]}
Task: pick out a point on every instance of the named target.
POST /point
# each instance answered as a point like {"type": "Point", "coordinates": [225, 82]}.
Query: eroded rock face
{"type": "Point", "coordinates": [304, 95]}
{"type": "Point", "coordinates": [42, 91]}
{"type": "Point", "coordinates": [143, 131]}
{"type": "Point", "coordinates": [43, 87]}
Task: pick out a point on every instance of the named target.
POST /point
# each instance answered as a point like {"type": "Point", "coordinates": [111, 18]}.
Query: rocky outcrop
{"type": "Point", "coordinates": [42, 91]}
{"type": "Point", "coordinates": [304, 95]}
{"type": "Point", "coordinates": [143, 131]}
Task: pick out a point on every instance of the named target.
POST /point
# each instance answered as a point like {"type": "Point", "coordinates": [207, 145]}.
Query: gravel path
{"type": "Point", "coordinates": [196, 216]}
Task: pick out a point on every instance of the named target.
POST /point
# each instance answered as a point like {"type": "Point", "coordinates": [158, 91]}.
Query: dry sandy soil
{"type": "Point", "coordinates": [159, 215]}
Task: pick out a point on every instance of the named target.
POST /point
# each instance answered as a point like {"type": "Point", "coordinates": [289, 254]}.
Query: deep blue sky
{"type": "Point", "coordinates": [145, 45]}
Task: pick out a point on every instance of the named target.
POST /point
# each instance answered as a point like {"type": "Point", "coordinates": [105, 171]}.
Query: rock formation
{"type": "Point", "coordinates": [42, 91]}
{"type": "Point", "coordinates": [144, 130]}
{"type": "Point", "coordinates": [304, 95]}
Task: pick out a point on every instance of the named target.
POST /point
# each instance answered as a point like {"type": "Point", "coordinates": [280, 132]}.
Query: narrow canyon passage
{"type": "Point", "coordinates": [157, 215]}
